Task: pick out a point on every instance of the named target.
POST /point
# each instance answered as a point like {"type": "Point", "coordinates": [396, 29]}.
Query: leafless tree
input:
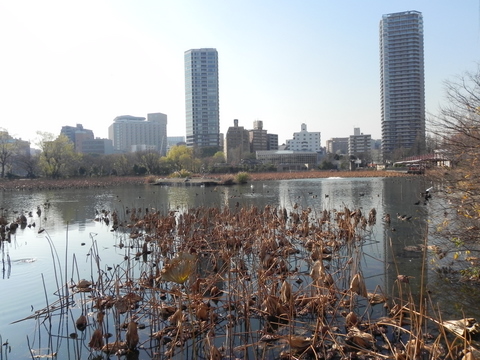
{"type": "Point", "coordinates": [8, 148]}
{"type": "Point", "coordinates": [457, 131]}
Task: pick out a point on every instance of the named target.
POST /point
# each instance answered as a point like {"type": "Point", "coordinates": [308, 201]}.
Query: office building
{"type": "Point", "coordinates": [132, 133]}
{"type": "Point", "coordinates": [201, 98]}
{"type": "Point", "coordinates": [175, 141]}
{"type": "Point", "coordinates": [77, 135]}
{"type": "Point", "coordinates": [402, 84]}
{"type": "Point", "coordinates": [97, 146]}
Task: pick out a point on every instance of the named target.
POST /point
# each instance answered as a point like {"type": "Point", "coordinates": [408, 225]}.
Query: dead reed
{"type": "Point", "coordinates": [243, 283]}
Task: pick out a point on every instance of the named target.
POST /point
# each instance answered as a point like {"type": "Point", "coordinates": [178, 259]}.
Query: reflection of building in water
{"type": "Point", "coordinates": [399, 199]}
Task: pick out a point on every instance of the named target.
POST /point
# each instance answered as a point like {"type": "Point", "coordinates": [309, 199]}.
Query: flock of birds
{"type": "Point", "coordinates": [403, 217]}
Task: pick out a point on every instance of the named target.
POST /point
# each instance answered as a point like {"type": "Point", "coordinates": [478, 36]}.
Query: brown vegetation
{"type": "Point", "coordinates": [266, 283]}
{"type": "Point", "coordinates": [110, 181]}
{"type": "Point", "coordinates": [80, 183]}
{"type": "Point", "coordinates": [323, 174]}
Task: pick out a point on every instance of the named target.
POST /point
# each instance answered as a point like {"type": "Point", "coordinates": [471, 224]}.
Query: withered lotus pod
{"type": "Point", "coordinates": [84, 284]}
{"type": "Point", "coordinates": [376, 298]}
{"type": "Point", "coordinates": [96, 342]}
{"type": "Point", "coordinates": [318, 271]}
{"type": "Point", "coordinates": [360, 338]}
{"type": "Point", "coordinates": [351, 319]}
{"type": "Point", "coordinates": [81, 322]}
{"type": "Point", "coordinates": [215, 354]}
{"type": "Point", "coordinates": [299, 342]}
{"type": "Point", "coordinates": [357, 285]}
{"type": "Point", "coordinates": [114, 347]}
{"type": "Point", "coordinates": [286, 293]}
{"type": "Point", "coordinates": [132, 335]}
{"type": "Point", "coordinates": [202, 311]}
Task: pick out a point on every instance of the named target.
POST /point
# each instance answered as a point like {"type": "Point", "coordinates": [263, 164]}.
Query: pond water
{"type": "Point", "coordinates": [63, 231]}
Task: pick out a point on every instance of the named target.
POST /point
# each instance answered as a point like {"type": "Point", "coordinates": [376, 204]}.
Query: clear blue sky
{"type": "Point", "coordinates": [283, 62]}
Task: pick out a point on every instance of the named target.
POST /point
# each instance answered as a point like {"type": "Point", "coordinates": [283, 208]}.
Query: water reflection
{"type": "Point", "coordinates": [400, 198]}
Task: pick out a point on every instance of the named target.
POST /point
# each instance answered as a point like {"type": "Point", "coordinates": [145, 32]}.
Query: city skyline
{"type": "Point", "coordinates": [315, 63]}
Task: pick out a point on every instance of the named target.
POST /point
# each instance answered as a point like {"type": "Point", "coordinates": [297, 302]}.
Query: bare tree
{"type": "Point", "coordinates": [457, 131]}
{"type": "Point", "coordinates": [8, 147]}
{"type": "Point", "coordinates": [28, 163]}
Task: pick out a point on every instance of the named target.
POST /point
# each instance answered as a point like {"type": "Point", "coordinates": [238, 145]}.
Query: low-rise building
{"type": "Point", "coordinates": [305, 141]}
{"type": "Point", "coordinates": [286, 160]}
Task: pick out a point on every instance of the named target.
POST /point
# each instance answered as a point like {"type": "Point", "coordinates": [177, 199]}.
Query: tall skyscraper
{"type": "Point", "coordinates": [201, 98]}
{"type": "Point", "coordinates": [402, 82]}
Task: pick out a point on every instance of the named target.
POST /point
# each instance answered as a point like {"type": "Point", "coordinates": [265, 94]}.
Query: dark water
{"type": "Point", "coordinates": [31, 273]}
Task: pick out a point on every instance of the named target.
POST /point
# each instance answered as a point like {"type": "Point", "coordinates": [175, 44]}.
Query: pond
{"type": "Point", "coordinates": [69, 235]}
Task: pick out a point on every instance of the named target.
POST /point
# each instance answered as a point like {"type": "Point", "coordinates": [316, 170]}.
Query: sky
{"type": "Point", "coordinates": [282, 62]}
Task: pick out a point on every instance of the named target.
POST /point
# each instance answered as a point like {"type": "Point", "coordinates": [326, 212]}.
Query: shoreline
{"type": "Point", "coordinates": [111, 181]}
{"type": "Point", "coordinates": [324, 174]}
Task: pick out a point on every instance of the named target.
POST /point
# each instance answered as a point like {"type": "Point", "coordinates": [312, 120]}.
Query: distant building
{"type": "Point", "coordinates": [286, 160]}
{"type": "Point", "coordinates": [305, 141]}
{"type": "Point", "coordinates": [337, 146]}
{"type": "Point", "coordinates": [19, 149]}
{"type": "Point", "coordinates": [272, 141]}
{"type": "Point", "coordinates": [97, 146]}
{"type": "Point", "coordinates": [237, 143]}
{"type": "Point", "coordinates": [360, 145]}
{"type": "Point", "coordinates": [258, 137]}
{"type": "Point", "coordinates": [175, 141]}
{"type": "Point", "coordinates": [201, 98]}
{"type": "Point", "coordinates": [130, 132]}
{"type": "Point", "coordinates": [402, 84]}
{"type": "Point", "coordinates": [143, 147]}
{"type": "Point", "coordinates": [77, 135]}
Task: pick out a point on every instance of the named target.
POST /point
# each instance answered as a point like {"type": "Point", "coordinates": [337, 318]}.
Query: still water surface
{"type": "Point", "coordinates": [68, 218]}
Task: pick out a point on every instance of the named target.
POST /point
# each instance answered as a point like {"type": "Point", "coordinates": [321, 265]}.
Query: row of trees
{"type": "Point", "coordinates": [57, 159]}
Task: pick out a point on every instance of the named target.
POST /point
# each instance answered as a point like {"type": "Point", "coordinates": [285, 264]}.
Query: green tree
{"type": "Point", "coordinates": [181, 157]}
{"type": "Point", "coordinates": [57, 157]}
{"type": "Point", "coordinates": [326, 165]}
{"type": "Point", "coordinates": [219, 157]}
